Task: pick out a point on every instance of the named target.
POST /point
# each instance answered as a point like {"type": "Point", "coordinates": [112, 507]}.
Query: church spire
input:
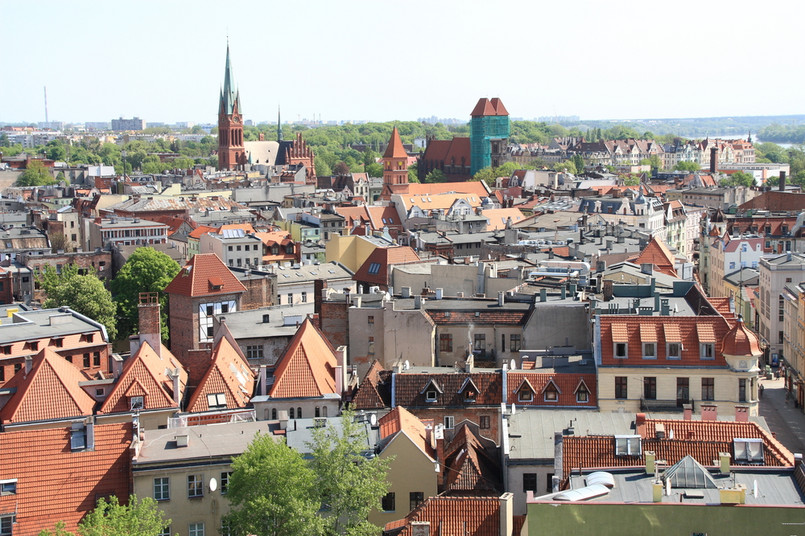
{"type": "Point", "coordinates": [279, 125]}
{"type": "Point", "coordinates": [229, 95]}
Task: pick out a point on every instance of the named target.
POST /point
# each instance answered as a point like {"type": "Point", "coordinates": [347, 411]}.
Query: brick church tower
{"type": "Point", "coordinates": [231, 153]}
{"type": "Point", "coordinates": [395, 167]}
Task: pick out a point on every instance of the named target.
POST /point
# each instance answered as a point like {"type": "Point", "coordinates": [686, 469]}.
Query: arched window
{"type": "Point", "coordinates": [324, 411]}
{"type": "Point", "coordinates": [317, 412]}
{"type": "Point", "coordinates": [290, 413]}
{"type": "Point", "coordinates": [274, 413]}
{"type": "Point", "coordinates": [298, 413]}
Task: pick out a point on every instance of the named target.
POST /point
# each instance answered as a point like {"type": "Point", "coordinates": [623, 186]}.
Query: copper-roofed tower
{"type": "Point", "coordinates": [395, 168]}
{"type": "Point", "coordinates": [231, 153]}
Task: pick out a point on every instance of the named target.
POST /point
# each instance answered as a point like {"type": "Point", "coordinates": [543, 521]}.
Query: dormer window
{"type": "Point", "coordinates": [57, 342]}
{"type": "Point", "coordinates": [136, 403]}
{"type": "Point", "coordinates": [469, 390]}
{"type": "Point", "coordinates": [431, 391]}
{"type": "Point", "coordinates": [649, 350]}
{"type": "Point", "coordinates": [430, 396]}
{"type": "Point", "coordinates": [551, 393]}
{"type": "Point", "coordinates": [582, 393]}
{"type": "Point", "coordinates": [707, 350]}
{"type": "Point", "coordinates": [621, 350]}
{"type": "Point", "coordinates": [216, 400]}
{"type": "Point", "coordinates": [627, 445]}
{"type": "Point", "coordinates": [525, 393]}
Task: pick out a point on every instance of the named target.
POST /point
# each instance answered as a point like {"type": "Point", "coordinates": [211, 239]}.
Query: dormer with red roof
{"type": "Point", "coordinates": [46, 389]}
{"type": "Point", "coordinates": [203, 288]}
{"type": "Point", "coordinates": [228, 382]}
{"type": "Point", "coordinates": [152, 384]}
{"type": "Point", "coordinates": [308, 379]}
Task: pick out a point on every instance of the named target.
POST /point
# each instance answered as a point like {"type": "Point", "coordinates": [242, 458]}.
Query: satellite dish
{"type": "Point", "coordinates": [373, 419]}
{"type": "Point", "coordinates": [513, 365]}
{"type": "Point", "coordinates": [213, 484]}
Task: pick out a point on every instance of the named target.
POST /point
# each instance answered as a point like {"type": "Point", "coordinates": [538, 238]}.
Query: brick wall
{"type": "Point", "coordinates": [459, 414]}
{"type": "Point", "coordinates": [260, 292]}
{"type": "Point", "coordinates": [335, 322]}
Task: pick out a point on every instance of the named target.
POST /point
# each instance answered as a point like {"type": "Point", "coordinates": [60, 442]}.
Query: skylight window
{"type": "Point", "coordinates": [374, 268]}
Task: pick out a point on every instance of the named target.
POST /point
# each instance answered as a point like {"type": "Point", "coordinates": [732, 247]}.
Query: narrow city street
{"type": "Point", "coordinates": [786, 421]}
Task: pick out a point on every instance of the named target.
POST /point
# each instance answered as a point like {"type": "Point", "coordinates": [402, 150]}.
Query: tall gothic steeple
{"type": "Point", "coordinates": [231, 154]}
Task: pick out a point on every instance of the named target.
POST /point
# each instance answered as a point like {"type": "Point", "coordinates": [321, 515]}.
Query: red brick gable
{"type": "Point", "coordinates": [228, 374]}
{"type": "Point", "coordinates": [194, 280]}
{"type": "Point", "coordinates": [410, 389]}
{"type": "Point", "coordinates": [55, 484]}
{"type": "Point", "coordinates": [470, 467]}
{"type": "Point", "coordinates": [686, 330]}
{"type": "Point", "coordinates": [49, 391]}
{"type": "Point", "coordinates": [306, 367]}
{"type": "Point", "coordinates": [374, 391]}
{"type": "Point", "coordinates": [658, 254]}
{"type": "Point", "coordinates": [145, 372]}
{"type": "Point", "coordinates": [401, 420]}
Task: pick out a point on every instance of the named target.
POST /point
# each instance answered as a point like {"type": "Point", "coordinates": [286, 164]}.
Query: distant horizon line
{"type": "Point", "coordinates": [430, 120]}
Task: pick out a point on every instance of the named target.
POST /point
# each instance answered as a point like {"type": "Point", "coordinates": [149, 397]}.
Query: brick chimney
{"type": "Point", "coordinates": [150, 330]}
{"type": "Point", "coordinates": [781, 185]}
{"type": "Point", "coordinates": [741, 414]}
{"type": "Point", "coordinates": [713, 159]}
{"type": "Point", "coordinates": [709, 412]}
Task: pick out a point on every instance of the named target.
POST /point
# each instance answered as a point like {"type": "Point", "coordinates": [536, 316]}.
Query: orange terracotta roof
{"type": "Point", "coordinates": [401, 420]}
{"type": "Point", "coordinates": [395, 148]}
{"type": "Point", "coordinates": [658, 254]}
{"type": "Point", "coordinates": [49, 391]}
{"type": "Point", "coordinates": [489, 107]}
{"type": "Point", "coordinates": [499, 216]}
{"type": "Point", "coordinates": [409, 389]}
{"type": "Point", "coordinates": [201, 230]}
{"type": "Point", "coordinates": [51, 469]}
{"type": "Point", "coordinates": [568, 386]}
{"type": "Point", "coordinates": [194, 279]}
{"type": "Point", "coordinates": [371, 394]}
{"type": "Point", "coordinates": [479, 516]}
{"type": "Point", "coordinates": [306, 367]}
{"type": "Point", "coordinates": [741, 341]}
{"type": "Point", "coordinates": [383, 258]}
{"type": "Point", "coordinates": [228, 374]}
{"type": "Point", "coordinates": [687, 330]}
{"type": "Point", "coordinates": [148, 372]}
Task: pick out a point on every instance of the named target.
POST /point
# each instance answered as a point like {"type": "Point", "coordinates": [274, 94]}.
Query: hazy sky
{"type": "Point", "coordinates": [400, 60]}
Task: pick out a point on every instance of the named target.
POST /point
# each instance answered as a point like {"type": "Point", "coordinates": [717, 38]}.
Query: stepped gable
{"type": "Point", "coordinates": [395, 147]}
{"type": "Point", "coordinates": [306, 367]}
{"type": "Point", "coordinates": [204, 275]}
{"type": "Point", "coordinates": [228, 374]}
{"type": "Point", "coordinates": [374, 392]}
{"type": "Point", "coordinates": [401, 420]}
{"type": "Point", "coordinates": [49, 391]}
{"type": "Point", "coordinates": [146, 374]}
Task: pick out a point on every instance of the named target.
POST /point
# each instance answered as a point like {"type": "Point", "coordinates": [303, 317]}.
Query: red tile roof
{"type": "Point", "coordinates": [487, 107]}
{"type": "Point", "coordinates": [658, 254]}
{"type": "Point", "coordinates": [479, 516]}
{"type": "Point", "coordinates": [55, 484]}
{"type": "Point", "coordinates": [228, 374]}
{"type": "Point", "coordinates": [470, 465]}
{"type": "Point", "coordinates": [374, 391]}
{"type": "Point", "coordinates": [395, 148]}
{"type": "Point", "coordinates": [410, 387]}
{"type": "Point", "coordinates": [568, 386]}
{"type": "Point", "coordinates": [145, 374]}
{"type": "Point", "coordinates": [384, 257]}
{"type": "Point", "coordinates": [49, 391]}
{"type": "Point", "coordinates": [689, 330]}
{"type": "Point", "coordinates": [483, 316]}
{"type": "Point", "coordinates": [740, 341]}
{"type": "Point", "coordinates": [197, 277]}
{"type": "Point", "coordinates": [777, 201]}
{"type": "Point", "coordinates": [401, 420]}
{"type": "Point", "coordinates": [306, 367]}
{"type": "Point", "coordinates": [201, 230]}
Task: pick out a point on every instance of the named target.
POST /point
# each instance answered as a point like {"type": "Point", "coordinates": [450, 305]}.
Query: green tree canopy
{"type": "Point", "coordinates": [578, 163]}
{"type": "Point", "coordinates": [413, 173]}
{"type": "Point", "coordinates": [140, 517]}
{"type": "Point", "coordinates": [654, 161]}
{"type": "Point", "coordinates": [146, 270]}
{"type": "Point", "coordinates": [739, 178]}
{"type": "Point", "coordinates": [84, 294]}
{"type": "Point", "coordinates": [349, 483]}
{"type": "Point", "coordinates": [435, 175]}
{"type": "Point", "coordinates": [272, 491]}
{"type": "Point", "coordinates": [566, 167]}
{"type": "Point", "coordinates": [374, 169]}
{"type": "Point", "coordinates": [35, 175]}
{"type": "Point", "coordinates": [687, 166]}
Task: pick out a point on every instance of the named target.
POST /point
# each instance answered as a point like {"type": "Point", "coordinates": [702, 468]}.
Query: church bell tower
{"type": "Point", "coordinates": [231, 153]}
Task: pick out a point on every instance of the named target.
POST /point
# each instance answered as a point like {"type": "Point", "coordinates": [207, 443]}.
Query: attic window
{"type": "Point", "coordinates": [748, 450]}
{"type": "Point", "coordinates": [551, 392]}
{"type": "Point", "coordinates": [627, 445]}
{"type": "Point", "coordinates": [8, 487]}
{"type": "Point", "coordinates": [374, 268]}
{"type": "Point", "coordinates": [525, 393]}
{"type": "Point", "coordinates": [216, 283]}
{"type": "Point", "coordinates": [430, 396]}
{"type": "Point", "coordinates": [216, 401]}
{"type": "Point", "coordinates": [137, 403]}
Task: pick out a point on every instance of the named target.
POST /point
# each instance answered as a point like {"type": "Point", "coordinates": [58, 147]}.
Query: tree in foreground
{"type": "Point", "coordinates": [146, 270]}
{"type": "Point", "coordinates": [272, 491]}
{"type": "Point", "coordinates": [350, 484]}
{"type": "Point", "coordinates": [84, 294]}
{"type": "Point", "coordinates": [140, 517]}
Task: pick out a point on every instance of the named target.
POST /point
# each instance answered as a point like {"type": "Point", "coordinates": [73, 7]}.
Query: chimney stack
{"type": "Point", "coordinates": [150, 329]}
{"type": "Point", "coordinates": [713, 159]}
{"type": "Point", "coordinates": [782, 181]}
